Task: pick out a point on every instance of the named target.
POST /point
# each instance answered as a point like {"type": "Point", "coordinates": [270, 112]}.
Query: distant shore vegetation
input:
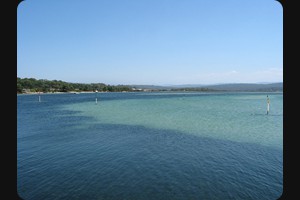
{"type": "Point", "coordinates": [32, 85]}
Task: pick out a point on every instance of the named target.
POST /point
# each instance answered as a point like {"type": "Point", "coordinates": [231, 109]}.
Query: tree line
{"type": "Point", "coordinates": [25, 85]}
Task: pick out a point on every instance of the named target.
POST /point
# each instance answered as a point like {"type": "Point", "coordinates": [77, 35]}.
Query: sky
{"type": "Point", "coordinates": [156, 42]}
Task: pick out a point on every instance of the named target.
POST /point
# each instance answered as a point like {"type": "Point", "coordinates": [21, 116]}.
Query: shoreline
{"type": "Point", "coordinates": [91, 92]}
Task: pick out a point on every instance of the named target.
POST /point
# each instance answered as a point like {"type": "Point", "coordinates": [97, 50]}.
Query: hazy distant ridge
{"type": "Point", "coordinates": [219, 87]}
{"type": "Point", "coordinates": [248, 87]}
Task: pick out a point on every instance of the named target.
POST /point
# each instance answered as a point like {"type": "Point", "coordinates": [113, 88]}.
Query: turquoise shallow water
{"type": "Point", "coordinates": [150, 146]}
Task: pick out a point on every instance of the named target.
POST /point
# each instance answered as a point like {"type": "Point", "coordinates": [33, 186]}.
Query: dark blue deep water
{"type": "Point", "coordinates": [149, 146]}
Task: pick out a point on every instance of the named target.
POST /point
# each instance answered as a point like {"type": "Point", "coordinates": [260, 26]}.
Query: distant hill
{"type": "Point", "coordinates": [27, 85]}
{"type": "Point", "coordinates": [259, 87]}
{"type": "Point", "coordinates": [248, 87]}
{"type": "Point", "coordinates": [151, 87]}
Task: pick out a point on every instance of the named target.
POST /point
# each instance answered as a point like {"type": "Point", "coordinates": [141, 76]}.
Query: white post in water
{"type": "Point", "coordinates": [268, 104]}
{"type": "Point", "coordinates": [39, 97]}
{"type": "Point", "coordinates": [96, 101]}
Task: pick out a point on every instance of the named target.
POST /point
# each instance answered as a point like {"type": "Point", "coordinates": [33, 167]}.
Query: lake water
{"type": "Point", "coordinates": [150, 146]}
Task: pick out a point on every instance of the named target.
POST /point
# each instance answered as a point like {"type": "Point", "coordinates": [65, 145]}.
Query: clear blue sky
{"type": "Point", "coordinates": [158, 42]}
